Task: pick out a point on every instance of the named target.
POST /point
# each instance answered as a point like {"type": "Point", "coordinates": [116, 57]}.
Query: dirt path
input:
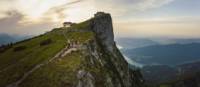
{"type": "Point", "coordinates": [11, 65]}
{"type": "Point", "coordinates": [60, 54]}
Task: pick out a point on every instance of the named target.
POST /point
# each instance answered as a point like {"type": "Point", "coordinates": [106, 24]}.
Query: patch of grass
{"type": "Point", "coordinates": [46, 42]}
{"type": "Point", "coordinates": [80, 36]}
{"type": "Point", "coordinates": [19, 48]}
{"type": "Point", "coordinates": [56, 74]}
{"type": "Point", "coordinates": [82, 25]}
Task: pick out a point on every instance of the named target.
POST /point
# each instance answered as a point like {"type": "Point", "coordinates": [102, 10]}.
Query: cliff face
{"type": "Point", "coordinates": [105, 57]}
{"type": "Point", "coordinates": [86, 56]}
{"type": "Point", "coordinates": [102, 26]}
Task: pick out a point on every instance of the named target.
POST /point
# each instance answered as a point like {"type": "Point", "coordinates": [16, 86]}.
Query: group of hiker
{"type": "Point", "coordinates": [72, 44]}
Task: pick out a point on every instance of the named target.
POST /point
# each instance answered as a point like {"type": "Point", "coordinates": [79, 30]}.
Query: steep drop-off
{"type": "Point", "coordinates": [83, 55]}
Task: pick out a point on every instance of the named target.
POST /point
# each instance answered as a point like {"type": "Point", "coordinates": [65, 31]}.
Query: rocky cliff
{"type": "Point", "coordinates": [116, 67]}
{"type": "Point", "coordinates": [86, 56]}
{"type": "Point", "coordinates": [101, 24]}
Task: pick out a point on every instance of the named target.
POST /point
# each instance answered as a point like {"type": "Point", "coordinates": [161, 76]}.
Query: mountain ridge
{"type": "Point", "coordinates": [172, 54]}
{"type": "Point", "coordinates": [83, 55]}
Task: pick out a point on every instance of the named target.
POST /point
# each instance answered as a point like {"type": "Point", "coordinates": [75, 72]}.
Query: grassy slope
{"type": "Point", "coordinates": [57, 74]}
{"type": "Point", "coordinates": [15, 64]}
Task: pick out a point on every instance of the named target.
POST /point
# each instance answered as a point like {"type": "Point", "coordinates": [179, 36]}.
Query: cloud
{"type": "Point", "coordinates": [59, 11]}
{"type": "Point", "coordinates": [7, 24]}
{"type": "Point", "coordinates": [55, 13]}
{"type": "Point", "coordinates": [36, 11]}
{"type": "Point", "coordinates": [37, 16]}
{"type": "Point", "coordinates": [121, 7]}
{"type": "Point", "coordinates": [168, 28]}
{"type": "Point", "coordinates": [148, 4]}
{"type": "Point", "coordinates": [11, 25]}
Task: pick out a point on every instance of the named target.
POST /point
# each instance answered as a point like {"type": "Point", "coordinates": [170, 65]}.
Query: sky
{"type": "Point", "coordinates": [131, 18]}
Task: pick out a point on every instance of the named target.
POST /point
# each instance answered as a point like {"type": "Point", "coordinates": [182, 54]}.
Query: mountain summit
{"type": "Point", "coordinates": [83, 55]}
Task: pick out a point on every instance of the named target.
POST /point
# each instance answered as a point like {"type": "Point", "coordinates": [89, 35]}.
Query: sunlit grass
{"type": "Point", "coordinates": [57, 74]}
{"type": "Point", "coordinates": [13, 64]}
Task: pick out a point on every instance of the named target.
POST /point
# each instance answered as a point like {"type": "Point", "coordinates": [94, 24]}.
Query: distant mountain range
{"type": "Point", "coordinates": [166, 62]}
{"type": "Point", "coordinates": [6, 38]}
{"type": "Point", "coordinates": [131, 43]}
{"type": "Point", "coordinates": [157, 74]}
{"type": "Point", "coordinates": [172, 54]}
{"type": "Point", "coordinates": [185, 74]}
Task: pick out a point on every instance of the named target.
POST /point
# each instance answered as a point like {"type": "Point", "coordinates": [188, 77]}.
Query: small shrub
{"type": "Point", "coordinates": [19, 48]}
{"type": "Point", "coordinates": [46, 42]}
{"type": "Point", "coordinates": [3, 48]}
